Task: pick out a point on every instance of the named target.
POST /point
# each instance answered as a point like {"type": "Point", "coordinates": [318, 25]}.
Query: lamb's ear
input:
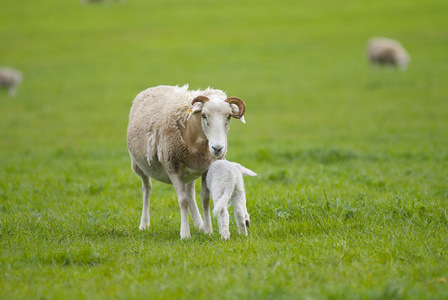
{"type": "Point", "coordinates": [197, 103]}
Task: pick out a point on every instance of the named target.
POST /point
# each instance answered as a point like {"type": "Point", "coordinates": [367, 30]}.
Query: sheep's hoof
{"type": "Point", "coordinates": [198, 225]}
{"type": "Point", "coordinates": [208, 230]}
{"type": "Point", "coordinates": [185, 233]}
{"type": "Point", "coordinates": [185, 237]}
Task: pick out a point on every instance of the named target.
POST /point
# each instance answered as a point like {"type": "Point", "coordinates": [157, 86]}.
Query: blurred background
{"type": "Point", "coordinates": [299, 65]}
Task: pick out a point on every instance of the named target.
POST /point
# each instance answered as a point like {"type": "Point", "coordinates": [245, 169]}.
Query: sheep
{"type": "Point", "coordinates": [10, 79]}
{"type": "Point", "coordinates": [173, 136]}
{"type": "Point", "coordinates": [226, 186]}
{"type": "Point", "coordinates": [384, 51]}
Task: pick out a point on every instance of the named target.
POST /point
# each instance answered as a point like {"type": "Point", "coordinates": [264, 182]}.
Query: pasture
{"type": "Point", "coordinates": [351, 200]}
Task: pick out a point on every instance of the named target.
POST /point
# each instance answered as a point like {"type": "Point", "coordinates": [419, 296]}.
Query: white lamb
{"type": "Point", "coordinates": [384, 51]}
{"type": "Point", "coordinates": [226, 185]}
{"type": "Point", "coordinates": [10, 79]}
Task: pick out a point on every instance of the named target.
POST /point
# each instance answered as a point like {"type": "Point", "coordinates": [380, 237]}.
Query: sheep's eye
{"type": "Point", "coordinates": [228, 118]}
{"type": "Point", "coordinates": [204, 116]}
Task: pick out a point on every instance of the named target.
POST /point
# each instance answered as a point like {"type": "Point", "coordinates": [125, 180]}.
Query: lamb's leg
{"type": "Point", "coordinates": [240, 217]}
{"type": "Point", "coordinates": [223, 222]}
{"type": "Point", "coordinates": [182, 198]}
{"type": "Point", "coordinates": [205, 199]}
{"type": "Point", "coordinates": [195, 215]}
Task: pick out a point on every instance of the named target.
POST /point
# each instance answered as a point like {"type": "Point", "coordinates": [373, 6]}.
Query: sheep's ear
{"type": "Point", "coordinates": [197, 103]}
{"type": "Point", "coordinates": [235, 111]}
{"type": "Point", "coordinates": [237, 102]}
{"type": "Point", "coordinates": [197, 107]}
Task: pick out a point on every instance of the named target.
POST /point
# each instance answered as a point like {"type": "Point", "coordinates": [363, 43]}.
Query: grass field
{"type": "Point", "coordinates": [351, 201]}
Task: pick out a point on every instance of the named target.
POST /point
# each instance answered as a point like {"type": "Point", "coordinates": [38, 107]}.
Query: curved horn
{"type": "Point", "coordinates": [241, 106]}
{"type": "Point", "coordinates": [201, 99]}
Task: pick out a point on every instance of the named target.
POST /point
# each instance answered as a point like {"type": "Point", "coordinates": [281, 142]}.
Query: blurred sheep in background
{"type": "Point", "coordinates": [384, 51]}
{"type": "Point", "coordinates": [10, 79]}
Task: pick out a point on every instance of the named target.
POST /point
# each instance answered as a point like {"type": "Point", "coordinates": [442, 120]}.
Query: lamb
{"type": "Point", "coordinates": [173, 136]}
{"type": "Point", "coordinates": [226, 185]}
{"type": "Point", "coordinates": [384, 51]}
{"type": "Point", "coordinates": [10, 79]}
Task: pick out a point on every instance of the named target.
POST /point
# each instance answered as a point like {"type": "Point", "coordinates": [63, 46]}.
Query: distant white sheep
{"type": "Point", "coordinates": [384, 51]}
{"type": "Point", "coordinates": [226, 185]}
{"type": "Point", "coordinates": [10, 79]}
{"type": "Point", "coordinates": [174, 135]}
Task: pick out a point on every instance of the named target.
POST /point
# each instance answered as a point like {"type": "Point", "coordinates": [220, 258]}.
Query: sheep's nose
{"type": "Point", "coordinates": [217, 149]}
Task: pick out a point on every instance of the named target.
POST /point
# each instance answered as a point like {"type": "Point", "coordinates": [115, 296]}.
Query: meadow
{"type": "Point", "coordinates": [351, 200]}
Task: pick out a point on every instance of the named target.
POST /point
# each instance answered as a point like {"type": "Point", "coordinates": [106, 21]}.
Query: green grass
{"type": "Point", "coordinates": [351, 201]}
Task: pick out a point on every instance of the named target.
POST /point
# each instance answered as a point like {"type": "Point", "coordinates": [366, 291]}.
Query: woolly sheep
{"type": "Point", "coordinates": [10, 79]}
{"type": "Point", "coordinates": [226, 185]}
{"type": "Point", "coordinates": [384, 51]}
{"type": "Point", "coordinates": [174, 135]}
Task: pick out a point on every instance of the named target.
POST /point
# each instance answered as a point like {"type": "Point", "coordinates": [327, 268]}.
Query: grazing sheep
{"type": "Point", "coordinates": [384, 51]}
{"type": "Point", "coordinates": [173, 136]}
{"type": "Point", "coordinates": [10, 79]}
{"type": "Point", "coordinates": [226, 185]}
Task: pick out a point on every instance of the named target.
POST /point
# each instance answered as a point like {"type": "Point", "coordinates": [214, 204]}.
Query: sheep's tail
{"type": "Point", "coordinates": [246, 171]}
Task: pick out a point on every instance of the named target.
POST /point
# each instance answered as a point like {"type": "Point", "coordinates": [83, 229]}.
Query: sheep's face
{"type": "Point", "coordinates": [215, 119]}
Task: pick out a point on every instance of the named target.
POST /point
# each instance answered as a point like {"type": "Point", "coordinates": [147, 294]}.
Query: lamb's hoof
{"type": "Point", "coordinates": [225, 236]}
{"type": "Point", "coordinates": [143, 226]}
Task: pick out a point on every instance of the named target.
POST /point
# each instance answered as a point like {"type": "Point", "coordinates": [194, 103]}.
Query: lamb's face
{"type": "Point", "coordinates": [215, 118]}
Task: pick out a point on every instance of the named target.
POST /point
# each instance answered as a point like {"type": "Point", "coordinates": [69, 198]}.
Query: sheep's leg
{"type": "Point", "coordinates": [195, 215]}
{"type": "Point", "coordinates": [205, 199]}
{"type": "Point", "coordinates": [182, 198]}
{"type": "Point", "coordinates": [12, 91]}
{"type": "Point", "coordinates": [146, 188]}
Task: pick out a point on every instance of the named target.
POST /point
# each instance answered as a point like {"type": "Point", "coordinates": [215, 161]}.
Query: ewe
{"type": "Point", "coordinates": [10, 79]}
{"type": "Point", "coordinates": [226, 185]}
{"type": "Point", "coordinates": [174, 135]}
{"type": "Point", "coordinates": [384, 51]}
